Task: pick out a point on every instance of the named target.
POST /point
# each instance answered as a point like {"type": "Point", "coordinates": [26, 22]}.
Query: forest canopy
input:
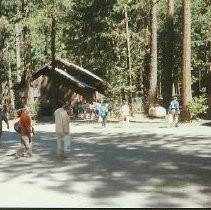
{"type": "Point", "coordinates": [111, 38]}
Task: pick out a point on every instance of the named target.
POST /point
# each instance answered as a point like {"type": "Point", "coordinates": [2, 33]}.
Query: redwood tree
{"type": "Point", "coordinates": [27, 53]}
{"type": "Point", "coordinates": [186, 58]}
{"type": "Point", "coordinates": [168, 62]}
{"type": "Point", "coordinates": [153, 52]}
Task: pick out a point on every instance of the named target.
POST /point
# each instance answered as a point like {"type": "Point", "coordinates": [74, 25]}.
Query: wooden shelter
{"type": "Point", "coordinates": [65, 82]}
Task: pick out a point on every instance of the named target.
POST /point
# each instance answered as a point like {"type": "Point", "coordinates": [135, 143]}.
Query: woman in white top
{"type": "Point", "coordinates": [125, 111]}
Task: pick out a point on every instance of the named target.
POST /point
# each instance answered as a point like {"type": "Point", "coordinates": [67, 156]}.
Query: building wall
{"type": "Point", "coordinates": [62, 89]}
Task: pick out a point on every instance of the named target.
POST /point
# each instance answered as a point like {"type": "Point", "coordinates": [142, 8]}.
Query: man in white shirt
{"type": "Point", "coordinates": [62, 128]}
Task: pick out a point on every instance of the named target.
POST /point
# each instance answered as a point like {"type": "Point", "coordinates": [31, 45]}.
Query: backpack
{"type": "Point", "coordinates": [174, 105]}
{"type": "Point", "coordinates": [103, 111]}
{"type": "Point", "coordinates": [17, 127]}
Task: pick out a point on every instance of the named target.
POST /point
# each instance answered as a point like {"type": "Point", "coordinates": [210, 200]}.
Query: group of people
{"type": "Point", "coordinates": [62, 127]}
{"type": "Point", "coordinates": [62, 124]}
{"type": "Point", "coordinates": [95, 110]}
{"type": "Point", "coordinates": [84, 109]}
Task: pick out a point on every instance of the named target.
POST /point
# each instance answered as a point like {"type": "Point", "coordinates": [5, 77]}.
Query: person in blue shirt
{"type": "Point", "coordinates": [103, 112]}
{"type": "Point", "coordinates": [174, 110]}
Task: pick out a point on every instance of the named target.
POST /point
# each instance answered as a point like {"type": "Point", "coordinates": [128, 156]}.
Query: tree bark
{"type": "Point", "coordinates": [46, 58]}
{"type": "Point", "coordinates": [186, 58]}
{"type": "Point", "coordinates": [10, 100]}
{"type": "Point", "coordinates": [53, 55]}
{"type": "Point", "coordinates": [11, 93]}
{"type": "Point", "coordinates": [27, 54]}
{"type": "Point", "coordinates": [128, 58]}
{"type": "Point", "coordinates": [209, 89]}
{"type": "Point", "coordinates": [168, 63]}
{"type": "Point", "coordinates": [18, 54]}
{"type": "Point", "coordinates": [153, 61]}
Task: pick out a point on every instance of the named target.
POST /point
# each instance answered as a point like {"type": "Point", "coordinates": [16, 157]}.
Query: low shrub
{"type": "Point", "coordinates": [197, 107]}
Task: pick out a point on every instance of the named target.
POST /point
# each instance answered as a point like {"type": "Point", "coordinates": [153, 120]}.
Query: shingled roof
{"type": "Point", "coordinates": [78, 68]}
{"type": "Point", "coordinates": [47, 70]}
{"type": "Point", "coordinates": [74, 73]}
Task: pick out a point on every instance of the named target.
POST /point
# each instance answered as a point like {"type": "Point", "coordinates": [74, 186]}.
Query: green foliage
{"type": "Point", "coordinates": [34, 110]}
{"type": "Point", "coordinates": [92, 33]}
{"type": "Point", "coordinates": [201, 33]}
{"type": "Point", "coordinates": [198, 106]}
{"type": "Point", "coordinates": [115, 108]}
{"type": "Point", "coordinates": [8, 8]}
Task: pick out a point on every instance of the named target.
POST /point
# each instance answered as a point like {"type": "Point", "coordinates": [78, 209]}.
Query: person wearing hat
{"type": "Point", "coordinates": [3, 118]}
{"type": "Point", "coordinates": [174, 110]}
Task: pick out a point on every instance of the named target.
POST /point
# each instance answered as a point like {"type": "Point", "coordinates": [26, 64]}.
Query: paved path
{"type": "Point", "coordinates": [146, 165]}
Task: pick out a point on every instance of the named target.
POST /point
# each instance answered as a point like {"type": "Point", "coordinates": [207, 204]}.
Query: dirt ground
{"type": "Point", "coordinates": [145, 165]}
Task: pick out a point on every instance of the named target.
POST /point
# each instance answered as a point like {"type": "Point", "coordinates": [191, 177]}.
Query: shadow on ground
{"type": "Point", "coordinates": [159, 166]}
{"type": "Point", "coordinates": [207, 124]}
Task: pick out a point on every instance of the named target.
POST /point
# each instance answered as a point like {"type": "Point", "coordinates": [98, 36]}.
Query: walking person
{"type": "Point", "coordinates": [91, 110]}
{"type": "Point", "coordinates": [125, 111]}
{"type": "Point", "coordinates": [62, 129]}
{"type": "Point", "coordinates": [174, 111]}
{"type": "Point", "coordinates": [26, 131]}
{"type": "Point", "coordinates": [97, 107]}
{"type": "Point", "coordinates": [3, 117]}
{"type": "Point", "coordinates": [103, 112]}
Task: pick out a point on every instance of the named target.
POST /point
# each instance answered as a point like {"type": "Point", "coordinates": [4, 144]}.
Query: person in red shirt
{"type": "Point", "coordinates": [25, 125]}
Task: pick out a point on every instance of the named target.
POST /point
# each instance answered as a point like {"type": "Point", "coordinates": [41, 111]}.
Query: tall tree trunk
{"type": "Point", "coordinates": [209, 89]}
{"type": "Point", "coordinates": [186, 58]}
{"type": "Point", "coordinates": [18, 54]}
{"type": "Point", "coordinates": [11, 93]}
{"type": "Point", "coordinates": [27, 54]}
{"type": "Point", "coordinates": [168, 63]}
{"type": "Point", "coordinates": [53, 41]}
{"type": "Point", "coordinates": [53, 55]}
{"type": "Point", "coordinates": [153, 61]}
{"type": "Point", "coordinates": [128, 58]}
{"type": "Point", "coordinates": [10, 102]}
{"type": "Point", "coordinates": [46, 58]}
